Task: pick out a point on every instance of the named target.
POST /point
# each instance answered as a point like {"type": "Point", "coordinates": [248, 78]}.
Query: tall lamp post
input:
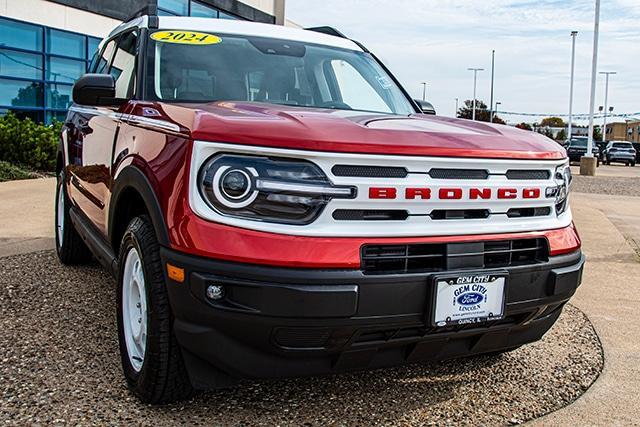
{"type": "Point", "coordinates": [493, 67]}
{"type": "Point", "coordinates": [424, 91]}
{"type": "Point", "coordinates": [456, 107]}
{"type": "Point", "coordinates": [573, 65]}
{"type": "Point", "coordinates": [493, 115]}
{"type": "Point", "coordinates": [588, 162]}
{"type": "Point", "coordinates": [475, 85]}
{"type": "Point", "coordinates": [606, 100]}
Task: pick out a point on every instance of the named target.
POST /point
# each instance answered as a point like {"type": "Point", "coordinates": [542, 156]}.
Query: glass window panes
{"type": "Point", "coordinates": [20, 64]}
{"type": "Point", "coordinates": [93, 46]}
{"type": "Point", "coordinates": [17, 93]}
{"type": "Point", "coordinates": [58, 96]}
{"type": "Point", "coordinates": [179, 7]}
{"type": "Point", "coordinates": [203, 11]}
{"type": "Point", "coordinates": [65, 43]}
{"type": "Point", "coordinates": [20, 35]}
{"type": "Point", "coordinates": [63, 70]}
{"type": "Point", "coordinates": [165, 13]}
{"type": "Point", "coordinates": [226, 16]}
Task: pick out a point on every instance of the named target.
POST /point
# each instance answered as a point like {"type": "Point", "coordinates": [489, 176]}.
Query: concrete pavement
{"type": "Point", "coordinates": [610, 297]}
{"type": "Point", "coordinates": [26, 215]}
{"type": "Point", "coordinates": [616, 169]}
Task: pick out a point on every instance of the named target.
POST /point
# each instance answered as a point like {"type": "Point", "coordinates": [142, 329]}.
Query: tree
{"type": "Point", "coordinates": [524, 126]}
{"type": "Point", "coordinates": [546, 132]}
{"type": "Point", "coordinates": [597, 133]}
{"type": "Point", "coordinates": [562, 135]}
{"type": "Point", "coordinates": [554, 122]}
{"type": "Point", "coordinates": [482, 112]}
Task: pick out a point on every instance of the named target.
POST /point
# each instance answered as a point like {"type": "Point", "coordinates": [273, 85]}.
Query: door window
{"type": "Point", "coordinates": [123, 65]}
{"type": "Point", "coordinates": [100, 64]}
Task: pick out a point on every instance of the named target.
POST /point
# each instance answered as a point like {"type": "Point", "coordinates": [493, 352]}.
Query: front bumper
{"type": "Point", "coordinates": [280, 322]}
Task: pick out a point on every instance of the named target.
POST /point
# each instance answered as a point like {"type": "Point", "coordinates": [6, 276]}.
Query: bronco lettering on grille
{"type": "Point", "coordinates": [426, 193]}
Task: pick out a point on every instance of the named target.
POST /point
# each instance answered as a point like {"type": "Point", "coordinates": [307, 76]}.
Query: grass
{"type": "Point", "coordinates": [9, 172]}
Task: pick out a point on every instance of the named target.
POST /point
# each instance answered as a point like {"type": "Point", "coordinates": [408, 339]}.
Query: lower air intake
{"type": "Point", "coordinates": [435, 257]}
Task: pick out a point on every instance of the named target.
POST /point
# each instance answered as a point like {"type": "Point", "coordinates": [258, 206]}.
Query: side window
{"type": "Point", "coordinates": [356, 92]}
{"type": "Point", "coordinates": [123, 66]}
{"type": "Point", "coordinates": [100, 63]}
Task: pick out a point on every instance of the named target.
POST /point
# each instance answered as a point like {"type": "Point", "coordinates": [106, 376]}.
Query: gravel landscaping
{"type": "Point", "coordinates": [60, 365]}
{"type": "Point", "coordinates": [612, 185]}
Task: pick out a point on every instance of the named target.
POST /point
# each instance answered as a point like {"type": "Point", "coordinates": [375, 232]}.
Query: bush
{"type": "Point", "coordinates": [9, 172]}
{"type": "Point", "coordinates": [24, 142]}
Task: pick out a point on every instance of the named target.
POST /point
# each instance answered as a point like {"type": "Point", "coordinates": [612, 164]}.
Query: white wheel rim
{"type": "Point", "coordinates": [134, 309]}
{"type": "Point", "coordinates": [60, 213]}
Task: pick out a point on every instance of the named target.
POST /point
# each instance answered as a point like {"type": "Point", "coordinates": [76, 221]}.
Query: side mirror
{"type": "Point", "coordinates": [425, 107]}
{"type": "Point", "coordinates": [95, 90]}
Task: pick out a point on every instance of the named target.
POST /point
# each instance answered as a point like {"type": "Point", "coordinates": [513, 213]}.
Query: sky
{"type": "Point", "coordinates": [435, 41]}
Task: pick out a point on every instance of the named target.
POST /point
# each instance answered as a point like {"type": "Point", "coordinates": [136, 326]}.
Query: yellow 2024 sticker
{"type": "Point", "coordinates": [185, 37]}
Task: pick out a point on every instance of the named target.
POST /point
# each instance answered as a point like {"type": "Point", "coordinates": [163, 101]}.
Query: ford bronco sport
{"type": "Point", "coordinates": [272, 203]}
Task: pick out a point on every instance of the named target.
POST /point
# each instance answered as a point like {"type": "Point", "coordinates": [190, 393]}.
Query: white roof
{"type": "Point", "coordinates": [247, 28]}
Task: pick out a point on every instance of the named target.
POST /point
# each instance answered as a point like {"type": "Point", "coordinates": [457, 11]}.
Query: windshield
{"type": "Point", "coordinates": [622, 145]}
{"type": "Point", "coordinates": [579, 142]}
{"type": "Point", "coordinates": [242, 68]}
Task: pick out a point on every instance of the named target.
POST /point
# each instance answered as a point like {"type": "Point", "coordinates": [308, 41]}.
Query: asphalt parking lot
{"type": "Point", "coordinates": [60, 362]}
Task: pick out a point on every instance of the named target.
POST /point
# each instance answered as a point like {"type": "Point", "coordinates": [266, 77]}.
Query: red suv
{"type": "Point", "coordinates": [272, 203]}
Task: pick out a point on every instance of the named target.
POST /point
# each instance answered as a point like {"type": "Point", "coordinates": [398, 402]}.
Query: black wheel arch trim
{"type": "Point", "coordinates": [131, 177]}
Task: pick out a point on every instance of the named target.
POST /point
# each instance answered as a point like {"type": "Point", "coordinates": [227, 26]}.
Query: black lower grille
{"type": "Point", "coordinates": [370, 215]}
{"type": "Point", "coordinates": [434, 257]}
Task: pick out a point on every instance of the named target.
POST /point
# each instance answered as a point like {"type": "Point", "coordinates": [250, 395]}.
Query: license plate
{"type": "Point", "coordinates": [469, 298]}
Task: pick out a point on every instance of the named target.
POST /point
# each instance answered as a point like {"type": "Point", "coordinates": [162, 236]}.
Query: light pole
{"type": "Point", "coordinates": [456, 107]}
{"type": "Point", "coordinates": [573, 65]}
{"type": "Point", "coordinates": [588, 163]}
{"type": "Point", "coordinates": [493, 65]}
{"type": "Point", "coordinates": [475, 84]}
{"type": "Point", "coordinates": [606, 100]}
{"type": "Point", "coordinates": [424, 91]}
{"type": "Point", "coordinates": [492, 113]}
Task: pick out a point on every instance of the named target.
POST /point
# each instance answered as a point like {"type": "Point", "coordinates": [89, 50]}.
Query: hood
{"type": "Point", "coordinates": [262, 124]}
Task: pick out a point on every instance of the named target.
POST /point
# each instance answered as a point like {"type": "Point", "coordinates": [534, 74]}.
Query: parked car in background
{"type": "Point", "coordinates": [577, 147]}
{"type": "Point", "coordinates": [619, 151]}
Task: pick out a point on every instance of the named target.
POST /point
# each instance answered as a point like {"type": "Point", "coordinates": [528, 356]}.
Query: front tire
{"type": "Point", "coordinates": [70, 247]}
{"type": "Point", "coordinates": [151, 357]}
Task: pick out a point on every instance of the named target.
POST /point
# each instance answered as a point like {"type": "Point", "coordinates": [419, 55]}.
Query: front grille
{"type": "Point", "coordinates": [438, 173]}
{"type": "Point", "coordinates": [435, 257]}
{"type": "Point", "coordinates": [440, 214]}
{"type": "Point", "coordinates": [528, 174]}
{"type": "Point", "coordinates": [370, 215]}
{"type": "Point", "coordinates": [369, 171]}
{"type": "Point", "coordinates": [528, 212]}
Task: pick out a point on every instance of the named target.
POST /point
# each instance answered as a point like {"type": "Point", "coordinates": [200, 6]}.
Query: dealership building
{"type": "Point", "coordinates": [45, 45]}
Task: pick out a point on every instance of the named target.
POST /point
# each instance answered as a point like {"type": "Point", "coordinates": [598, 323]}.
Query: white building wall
{"type": "Point", "coordinates": [58, 16]}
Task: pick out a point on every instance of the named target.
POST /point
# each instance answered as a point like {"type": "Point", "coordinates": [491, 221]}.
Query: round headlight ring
{"type": "Point", "coordinates": [229, 198]}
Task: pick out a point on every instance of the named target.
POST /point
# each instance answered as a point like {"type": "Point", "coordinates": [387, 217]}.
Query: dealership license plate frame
{"type": "Point", "coordinates": [479, 320]}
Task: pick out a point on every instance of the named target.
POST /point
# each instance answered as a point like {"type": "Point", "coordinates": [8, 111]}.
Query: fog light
{"type": "Point", "coordinates": [215, 292]}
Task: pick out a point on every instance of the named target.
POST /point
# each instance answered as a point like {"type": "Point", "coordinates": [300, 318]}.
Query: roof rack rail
{"type": "Point", "coordinates": [327, 30]}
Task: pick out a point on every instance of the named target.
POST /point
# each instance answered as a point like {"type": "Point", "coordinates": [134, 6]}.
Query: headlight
{"type": "Point", "coordinates": [267, 189]}
{"type": "Point", "coordinates": [563, 179]}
